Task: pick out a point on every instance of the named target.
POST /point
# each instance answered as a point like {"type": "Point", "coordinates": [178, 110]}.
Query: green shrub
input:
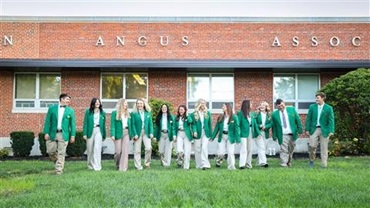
{"type": "Point", "coordinates": [3, 153]}
{"type": "Point", "coordinates": [350, 97]}
{"type": "Point", "coordinates": [77, 148]}
{"type": "Point", "coordinates": [22, 142]}
{"type": "Point", "coordinates": [42, 143]}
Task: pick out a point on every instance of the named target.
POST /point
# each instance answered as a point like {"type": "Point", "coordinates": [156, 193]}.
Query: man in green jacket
{"type": "Point", "coordinates": [286, 127]}
{"type": "Point", "coordinates": [319, 126]}
{"type": "Point", "coordinates": [59, 129]}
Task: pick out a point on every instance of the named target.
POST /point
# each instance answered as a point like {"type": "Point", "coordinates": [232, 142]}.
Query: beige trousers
{"type": "Point", "coordinates": [245, 155]}
{"type": "Point", "coordinates": [224, 146]}
{"type": "Point", "coordinates": [287, 150]}
{"type": "Point", "coordinates": [201, 152]}
{"type": "Point", "coordinates": [137, 150]}
{"type": "Point", "coordinates": [313, 142]}
{"type": "Point", "coordinates": [165, 149]}
{"type": "Point", "coordinates": [183, 149]}
{"type": "Point", "coordinates": [121, 151]}
{"type": "Point", "coordinates": [93, 149]}
{"type": "Point", "coordinates": [57, 151]}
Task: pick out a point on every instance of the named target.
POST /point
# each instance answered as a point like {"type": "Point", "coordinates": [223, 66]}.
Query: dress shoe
{"type": "Point", "coordinates": [265, 165]}
{"type": "Point", "coordinates": [311, 164]}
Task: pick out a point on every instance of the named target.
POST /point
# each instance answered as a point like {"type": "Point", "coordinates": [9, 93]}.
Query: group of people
{"type": "Point", "coordinates": [244, 127]}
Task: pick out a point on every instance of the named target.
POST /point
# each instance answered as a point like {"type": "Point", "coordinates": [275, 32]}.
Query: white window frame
{"type": "Point", "coordinates": [37, 100]}
{"type": "Point", "coordinates": [210, 101]}
{"type": "Point", "coordinates": [110, 110]}
{"type": "Point", "coordinates": [296, 101]}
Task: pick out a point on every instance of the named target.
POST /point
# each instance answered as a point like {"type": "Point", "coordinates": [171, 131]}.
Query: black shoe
{"type": "Point", "coordinates": [242, 167]}
{"type": "Point", "coordinates": [179, 166]}
{"type": "Point", "coordinates": [218, 165]}
{"type": "Point", "coordinates": [265, 165]}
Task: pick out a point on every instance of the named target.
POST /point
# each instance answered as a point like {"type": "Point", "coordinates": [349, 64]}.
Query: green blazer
{"type": "Point", "coordinates": [294, 121]}
{"type": "Point", "coordinates": [267, 124]}
{"type": "Point", "coordinates": [326, 119]}
{"type": "Point", "coordinates": [89, 124]}
{"type": "Point", "coordinates": [170, 128]}
{"type": "Point", "coordinates": [116, 129]}
{"type": "Point", "coordinates": [137, 123]}
{"type": "Point", "coordinates": [68, 123]}
{"type": "Point", "coordinates": [187, 127]}
{"type": "Point", "coordinates": [233, 130]}
{"type": "Point", "coordinates": [197, 124]}
{"type": "Point", "coordinates": [245, 125]}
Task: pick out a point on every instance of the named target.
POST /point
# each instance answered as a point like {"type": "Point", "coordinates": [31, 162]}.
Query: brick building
{"type": "Point", "coordinates": [221, 61]}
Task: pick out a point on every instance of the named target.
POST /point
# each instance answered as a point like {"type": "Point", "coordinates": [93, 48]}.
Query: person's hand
{"type": "Point", "coordinates": [72, 140]}
{"type": "Point", "coordinates": [307, 133]}
{"type": "Point", "coordinates": [150, 135]}
{"type": "Point", "coordinates": [135, 138]}
{"type": "Point", "coordinates": [174, 138]}
{"type": "Point", "coordinates": [84, 137]}
{"type": "Point", "coordinates": [47, 137]}
{"type": "Point", "coordinates": [330, 134]}
{"type": "Point", "coordinates": [195, 134]}
{"type": "Point", "coordinates": [154, 140]}
{"type": "Point", "coordinates": [113, 138]}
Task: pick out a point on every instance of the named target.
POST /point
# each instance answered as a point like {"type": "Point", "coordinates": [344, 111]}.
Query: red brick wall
{"type": "Point", "coordinates": [207, 41]}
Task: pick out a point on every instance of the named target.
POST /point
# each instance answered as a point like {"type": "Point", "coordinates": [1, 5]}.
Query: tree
{"type": "Point", "coordinates": [349, 95]}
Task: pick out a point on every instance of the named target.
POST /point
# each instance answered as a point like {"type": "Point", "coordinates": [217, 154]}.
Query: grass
{"type": "Point", "coordinates": [32, 183]}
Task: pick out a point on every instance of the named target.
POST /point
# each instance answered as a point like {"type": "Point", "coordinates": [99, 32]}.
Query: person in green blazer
{"type": "Point", "coordinates": [94, 133]}
{"type": "Point", "coordinates": [263, 121]}
{"type": "Point", "coordinates": [59, 129]}
{"type": "Point", "coordinates": [247, 129]}
{"type": "Point", "coordinates": [320, 127]}
{"type": "Point", "coordinates": [121, 132]}
{"type": "Point", "coordinates": [228, 130]}
{"type": "Point", "coordinates": [184, 137]}
{"type": "Point", "coordinates": [286, 127]}
{"type": "Point", "coordinates": [142, 131]}
{"type": "Point", "coordinates": [202, 132]}
{"type": "Point", "coordinates": [165, 132]}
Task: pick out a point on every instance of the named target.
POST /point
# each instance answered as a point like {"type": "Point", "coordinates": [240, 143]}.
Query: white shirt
{"type": "Point", "coordinates": [164, 121]}
{"type": "Point", "coordinates": [263, 116]}
{"type": "Point", "coordinates": [181, 123]}
{"type": "Point", "coordinates": [319, 110]}
{"type": "Point", "coordinates": [124, 121]}
{"type": "Point", "coordinates": [286, 130]}
{"type": "Point", "coordinates": [142, 118]}
{"type": "Point", "coordinates": [201, 116]}
{"type": "Point", "coordinates": [226, 125]}
{"type": "Point", "coordinates": [60, 117]}
{"type": "Point", "coordinates": [96, 118]}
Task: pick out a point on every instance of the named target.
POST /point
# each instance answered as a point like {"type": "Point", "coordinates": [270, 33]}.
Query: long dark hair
{"type": "Point", "coordinates": [160, 113]}
{"type": "Point", "coordinates": [92, 105]}
{"type": "Point", "coordinates": [246, 108]}
{"type": "Point", "coordinates": [229, 111]}
{"type": "Point", "coordinates": [178, 112]}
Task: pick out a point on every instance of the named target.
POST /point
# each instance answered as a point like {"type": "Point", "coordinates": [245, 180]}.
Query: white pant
{"type": "Point", "coordinates": [93, 147]}
{"type": "Point", "coordinates": [137, 150]}
{"type": "Point", "coordinates": [226, 145]}
{"type": "Point", "coordinates": [201, 152]}
{"type": "Point", "coordinates": [261, 148]}
{"type": "Point", "coordinates": [183, 146]}
{"type": "Point", "coordinates": [165, 149]}
{"type": "Point", "coordinates": [246, 151]}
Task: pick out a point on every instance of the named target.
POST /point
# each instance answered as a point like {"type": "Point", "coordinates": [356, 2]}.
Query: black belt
{"type": "Point", "coordinates": [250, 125]}
{"type": "Point", "coordinates": [164, 131]}
{"type": "Point", "coordinates": [96, 125]}
{"type": "Point", "coordinates": [289, 134]}
{"type": "Point", "coordinates": [318, 127]}
{"type": "Point", "coordinates": [126, 127]}
{"type": "Point", "coordinates": [59, 130]}
{"type": "Point", "coordinates": [224, 132]}
{"type": "Point", "coordinates": [181, 129]}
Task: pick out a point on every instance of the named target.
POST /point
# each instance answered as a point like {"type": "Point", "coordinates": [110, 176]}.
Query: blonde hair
{"type": "Point", "coordinates": [267, 106]}
{"type": "Point", "coordinates": [197, 106]}
{"type": "Point", "coordinates": [146, 105]}
{"type": "Point", "coordinates": [121, 109]}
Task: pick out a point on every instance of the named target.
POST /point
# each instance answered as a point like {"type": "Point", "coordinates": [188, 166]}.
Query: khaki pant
{"type": "Point", "coordinates": [222, 147]}
{"type": "Point", "coordinates": [287, 150]}
{"type": "Point", "coordinates": [165, 149]}
{"type": "Point", "coordinates": [314, 141]}
{"type": "Point", "coordinates": [57, 151]}
{"type": "Point", "coordinates": [261, 148]}
{"type": "Point", "coordinates": [121, 151]}
{"type": "Point", "coordinates": [183, 149]}
{"type": "Point", "coordinates": [201, 152]}
{"type": "Point", "coordinates": [245, 155]}
{"type": "Point", "coordinates": [94, 147]}
{"type": "Point", "coordinates": [137, 150]}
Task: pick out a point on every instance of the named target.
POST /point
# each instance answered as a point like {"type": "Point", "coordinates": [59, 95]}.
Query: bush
{"type": "Point", "coordinates": [350, 97]}
{"type": "Point", "coordinates": [77, 148]}
{"type": "Point", "coordinates": [3, 153]}
{"type": "Point", "coordinates": [22, 142]}
{"type": "Point", "coordinates": [42, 143]}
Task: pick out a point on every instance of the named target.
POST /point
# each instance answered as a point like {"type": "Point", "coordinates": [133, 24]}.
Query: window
{"type": "Point", "coordinates": [36, 90]}
{"type": "Point", "coordinates": [129, 86]}
{"type": "Point", "coordinates": [216, 89]}
{"type": "Point", "coordinates": [297, 90]}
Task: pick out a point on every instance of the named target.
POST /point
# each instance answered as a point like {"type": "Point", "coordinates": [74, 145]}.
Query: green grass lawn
{"type": "Point", "coordinates": [32, 183]}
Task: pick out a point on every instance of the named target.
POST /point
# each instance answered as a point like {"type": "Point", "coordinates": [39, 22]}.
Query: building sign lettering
{"type": "Point", "coordinates": [334, 41]}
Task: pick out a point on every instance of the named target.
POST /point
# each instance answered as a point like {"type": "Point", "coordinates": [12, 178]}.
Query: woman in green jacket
{"type": "Point", "coordinates": [228, 130]}
{"type": "Point", "coordinates": [184, 137]}
{"type": "Point", "coordinates": [120, 131]}
{"type": "Point", "coordinates": [263, 121]}
{"type": "Point", "coordinates": [94, 133]}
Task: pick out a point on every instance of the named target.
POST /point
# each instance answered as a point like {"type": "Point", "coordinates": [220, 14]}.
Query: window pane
{"type": "Point", "coordinates": [49, 86]}
{"type": "Point", "coordinates": [25, 86]}
{"type": "Point", "coordinates": [284, 87]}
{"type": "Point", "coordinates": [198, 87]}
{"type": "Point", "coordinates": [222, 88]}
{"type": "Point", "coordinates": [307, 86]}
{"type": "Point", "coordinates": [136, 86]}
{"type": "Point", "coordinates": [112, 86]}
